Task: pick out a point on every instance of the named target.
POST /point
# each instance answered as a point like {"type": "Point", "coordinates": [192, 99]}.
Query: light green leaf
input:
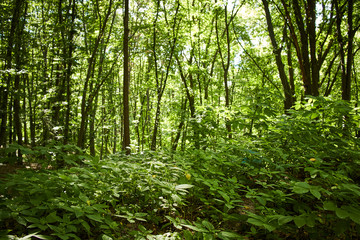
{"type": "Point", "coordinates": [197, 229]}
{"type": "Point", "coordinates": [183, 187]}
{"type": "Point", "coordinates": [36, 235]}
{"type": "Point", "coordinates": [176, 198]}
{"type": "Point", "coordinates": [106, 237]}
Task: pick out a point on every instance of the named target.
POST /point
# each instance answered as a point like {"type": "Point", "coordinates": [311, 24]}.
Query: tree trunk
{"type": "Point", "coordinates": [68, 73]}
{"type": "Point", "coordinates": [126, 80]}
{"type": "Point", "coordinates": [288, 103]}
{"type": "Point", "coordinates": [225, 66]}
{"type": "Point", "coordinates": [87, 101]}
{"type": "Point", "coordinates": [14, 30]}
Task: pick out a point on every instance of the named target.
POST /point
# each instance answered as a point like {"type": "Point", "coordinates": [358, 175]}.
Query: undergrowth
{"type": "Point", "coordinates": [298, 181]}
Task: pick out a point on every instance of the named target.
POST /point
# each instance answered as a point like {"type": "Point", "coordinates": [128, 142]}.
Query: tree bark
{"type": "Point", "coordinates": [288, 103]}
{"type": "Point", "coordinates": [126, 81]}
{"type": "Point", "coordinates": [5, 90]}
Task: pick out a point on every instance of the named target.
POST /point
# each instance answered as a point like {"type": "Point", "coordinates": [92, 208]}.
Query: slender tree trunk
{"type": "Point", "coordinates": [19, 54]}
{"type": "Point", "coordinates": [311, 28]}
{"type": "Point", "coordinates": [225, 66]}
{"type": "Point", "coordinates": [69, 73]}
{"type": "Point", "coordinates": [288, 103]}
{"type": "Point", "coordinates": [347, 67]}
{"type": "Point", "coordinates": [161, 85]}
{"type": "Point", "coordinates": [17, 8]}
{"type": "Point", "coordinates": [181, 125]}
{"type": "Point", "coordinates": [31, 110]}
{"type": "Point", "coordinates": [126, 80]}
{"type": "Point", "coordinates": [87, 101]}
{"type": "Point", "coordinates": [158, 86]}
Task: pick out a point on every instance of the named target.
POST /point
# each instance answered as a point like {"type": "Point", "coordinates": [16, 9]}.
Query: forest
{"type": "Point", "coordinates": [179, 119]}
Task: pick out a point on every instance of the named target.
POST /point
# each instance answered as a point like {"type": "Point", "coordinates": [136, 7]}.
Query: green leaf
{"type": "Point", "coordinates": [21, 220]}
{"type": "Point", "coordinates": [301, 188]}
{"type": "Point", "coordinates": [285, 219]}
{"type": "Point", "coordinates": [176, 198]}
{"type": "Point", "coordinates": [95, 217]}
{"type": "Point", "coordinates": [56, 228]}
{"type": "Point", "coordinates": [197, 229]}
{"type": "Point", "coordinates": [32, 219]}
{"type": "Point", "coordinates": [83, 197]}
{"type": "Point", "coordinates": [300, 221]}
{"type": "Point", "coordinates": [182, 187]}
{"type": "Point", "coordinates": [208, 225]}
{"type": "Point", "coordinates": [52, 217]}
{"type": "Point", "coordinates": [315, 193]}
{"type": "Point", "coordinates": [310, 220]}
{"type": "Point", "coordinates": [224, 195]}
{"type": "Point", "coordinates": [36, 235]}
{"type": "Point", "coordinates": [269, 227]}
{"type": "Point", "coordinates": [86, 226]}
{"type": "Point", "coordinates": [330, 206]}
{"type": "Point", "coordinates": [261, 200]}
{"type": "Point", "coordinates": [71, 228]}
{"type": "Point", "coordinates": [106, 237]}
{"type": "Point", "coordinates": [352, 187]}
{"type": "Point", "coordinates": [255, 222]}
{"type": "Point", "coordinates": [341, 213]}
{"type": "Point", "coordinates": [142, 228]}
{"type": "Point", "coordinates": [208, 236]}
{"type": "Point", "coordinates": [187, 235]}
{"type": "Point", "coordinates": [229, 235]}
{"type": "Point", "coordinates": [354, 213]}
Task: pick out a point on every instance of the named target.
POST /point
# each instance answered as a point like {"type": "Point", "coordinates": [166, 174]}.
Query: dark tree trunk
{"type": "Point", "coordinates": [126, 81]}
{"type": "Point", "coordinates": [15, 29]}
{"type": "Point", "coordinates": [288, 103]}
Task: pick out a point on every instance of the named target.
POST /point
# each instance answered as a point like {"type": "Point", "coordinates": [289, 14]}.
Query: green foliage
{"type": "Point", "coordinates": [297, 181]}
{"type": "Point", "coordinates": [51, 155]}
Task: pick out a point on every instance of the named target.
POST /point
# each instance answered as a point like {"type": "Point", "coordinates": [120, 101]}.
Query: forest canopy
{"type": "Point", "coordinates": [227, 111]}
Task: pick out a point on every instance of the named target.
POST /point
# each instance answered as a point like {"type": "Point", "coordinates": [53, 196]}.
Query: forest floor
{"type": "Point", "coordinates": [230, 193]}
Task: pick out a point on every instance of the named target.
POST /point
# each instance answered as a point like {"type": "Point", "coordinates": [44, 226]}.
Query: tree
{"type": "Point", "coordinates": [161, 81]}
{"type": "Point", "coordinates": [86, 101]}
{"type": "Point", "coordinates": [14, 62]}
{"type": "Point", "coordinates": [288, 103]}
{"type": "Point", "coordinates": [126, 81]}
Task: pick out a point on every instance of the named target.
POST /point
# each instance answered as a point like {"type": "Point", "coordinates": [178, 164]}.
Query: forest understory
{"type": "Point", "coordinates": [298, 181]}
{"type": "Point", "coordinates": [179, 119]}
